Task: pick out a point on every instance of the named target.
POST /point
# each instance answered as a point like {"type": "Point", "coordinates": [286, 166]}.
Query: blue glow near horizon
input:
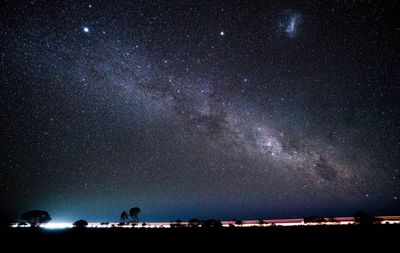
{"type": "Point", "coordinates": [57, 225]}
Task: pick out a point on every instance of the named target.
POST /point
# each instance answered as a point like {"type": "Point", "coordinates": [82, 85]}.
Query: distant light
{"type": "Point", "coordinates": [86, 29]}
{"type": "Point", "coordinates": [57, 225]}
{"type": "Point", "coordinates": [222, 33]}
{"type": "Point", "coordinates": [90, 6]}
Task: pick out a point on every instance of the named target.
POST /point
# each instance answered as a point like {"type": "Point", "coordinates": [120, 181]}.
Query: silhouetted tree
{"type": "Point", "coordinates": [361, 217]}
{"type": "Point", "coordinates": [124, 216]}
{"type": "Point", "coordinates": [194, 222]}
{"type": "Point", "coordinates": [36, 217]}
{"type": "Point", "coordinates": [144, 224]}
{"type": "Point", "coordinates": [80, 224]}
{"type": "Point", "coordinates": [261, 222]}
{"type": "Point", "coordinates": [134, 213]}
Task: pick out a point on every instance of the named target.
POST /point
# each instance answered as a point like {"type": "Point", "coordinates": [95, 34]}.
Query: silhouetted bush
{"type": "Point", "coordinates": [261, 222]}
{"type": "Point", "coordinates": [238, 222]}
{"type": "Point", "coordinates": [176, 224]}
{"type": "Point", "coordinates": [36, 217]}
{"type": "Point", "coordinates": [22, 224]}
{"type": "Point", "coordinates": [194, 223]}
{"type": "Point", "coordinates": [313, 219]}
{"type": "Point", "coordinates": [105, 223]}
{"type": "Point", "coordinates": [211, 224]}
{"type": "Point", "coordinates": [80, 224]}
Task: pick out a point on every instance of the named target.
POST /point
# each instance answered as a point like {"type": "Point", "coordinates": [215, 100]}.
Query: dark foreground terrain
{"type": "Point", "coordinates": [311, 237]}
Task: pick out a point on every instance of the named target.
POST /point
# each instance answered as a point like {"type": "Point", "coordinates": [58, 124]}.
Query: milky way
{"type": "Point", "coordinates": [198, 109]}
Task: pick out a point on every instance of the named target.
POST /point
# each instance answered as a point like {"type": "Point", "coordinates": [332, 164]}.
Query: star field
{"type": "Point", "coordinates": [207, 109]}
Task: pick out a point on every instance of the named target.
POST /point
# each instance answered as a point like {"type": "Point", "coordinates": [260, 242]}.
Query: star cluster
{"type": "Point", "coordinates": [201, 109]}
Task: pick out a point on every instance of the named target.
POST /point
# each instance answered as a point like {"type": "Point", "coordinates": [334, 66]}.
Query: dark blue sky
{"type": "Point", "coordinates": [207, 109]}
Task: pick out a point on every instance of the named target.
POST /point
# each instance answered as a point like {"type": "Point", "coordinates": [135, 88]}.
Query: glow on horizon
{"type": "Point", "coordinates": [246, 223]}
{"type": "Point", "coordinates": [57, 225]}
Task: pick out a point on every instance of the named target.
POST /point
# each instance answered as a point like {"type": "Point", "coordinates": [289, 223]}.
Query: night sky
{"type": "Point", "coordinates": [207, 109]}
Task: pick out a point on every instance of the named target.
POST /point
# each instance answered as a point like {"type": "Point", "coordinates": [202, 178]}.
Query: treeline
{"type": "Point", "coordinates": [130, 218]}
{"type": "Point", "coordinates": [360, 217]}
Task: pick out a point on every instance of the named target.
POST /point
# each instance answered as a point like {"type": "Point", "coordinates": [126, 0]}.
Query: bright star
{"type": "Point", "coordinates": [86, 29]}
{"type": "Point", "coordinates": [222, 33]}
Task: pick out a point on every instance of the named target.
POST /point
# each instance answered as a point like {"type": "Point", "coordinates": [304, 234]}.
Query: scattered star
{"type": "Point", "coordinates": [197, 110]}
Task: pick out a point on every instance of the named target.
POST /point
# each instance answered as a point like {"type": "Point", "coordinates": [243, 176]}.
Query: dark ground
{"type": "Point", "coordinates": [310, 237]}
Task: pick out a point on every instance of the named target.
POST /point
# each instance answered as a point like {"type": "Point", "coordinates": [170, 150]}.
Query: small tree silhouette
{"type": "Point", "coordinates": [124, 216]}
{"type": "Point", "coordinates": [36, 217]}
{"type": "Point", "coordinates": [80, 224]}
{"type": "Point", "coordinates": [134, 213]}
